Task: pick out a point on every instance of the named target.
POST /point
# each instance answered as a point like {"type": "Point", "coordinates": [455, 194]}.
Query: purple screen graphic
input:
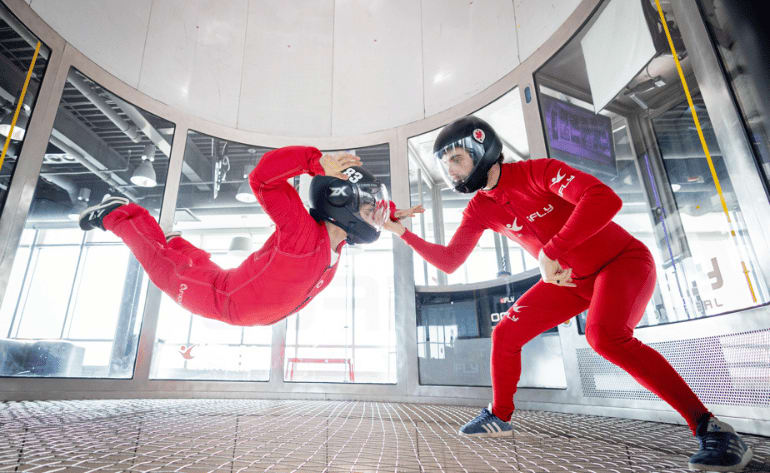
{"type": "Point", "coordinates": [578, 136]}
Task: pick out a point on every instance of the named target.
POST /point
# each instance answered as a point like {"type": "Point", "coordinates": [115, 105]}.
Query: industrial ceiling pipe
{"type": "Point", "coordinates": [22, 31]}
{"type": "Point", "coordinates": [144, 126]}
{"type": "Point", "coordinates": [128, 129]}
{"type": "Point", "coordinates": [105, 176]}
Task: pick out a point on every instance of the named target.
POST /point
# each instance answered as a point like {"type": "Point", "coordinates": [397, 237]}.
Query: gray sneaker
{"type": "Point", "coordinates": [720, 447]}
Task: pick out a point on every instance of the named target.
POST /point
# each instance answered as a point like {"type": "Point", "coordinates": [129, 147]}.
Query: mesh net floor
{"type": "Point", "coordinates": [327, 436]}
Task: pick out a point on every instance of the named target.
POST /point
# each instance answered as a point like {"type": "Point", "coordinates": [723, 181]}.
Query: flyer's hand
{"type": "Point", "coordinates": [552, 272]}
{"type": "Point", "coordinates": [410, 212]}
{"type": "Point", "coordinates": [395, 227]}
{"type": "Point", "coordinates": [333, 164]}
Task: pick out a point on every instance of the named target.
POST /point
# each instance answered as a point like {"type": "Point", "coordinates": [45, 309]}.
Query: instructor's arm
{"type": "Point", "coordinates": [446, 258]}
{"type": "Point", "coordinates": [595, 203]}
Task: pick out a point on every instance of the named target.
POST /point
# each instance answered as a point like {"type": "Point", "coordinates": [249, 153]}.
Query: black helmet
{"type": "Point", "coordinates": [475, 136]}
{"type": "Point", "coordinates": [360, 205]}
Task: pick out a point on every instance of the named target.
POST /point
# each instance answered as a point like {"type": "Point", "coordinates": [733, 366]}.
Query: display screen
{"type": "Point", "coordinates": [578, 136]}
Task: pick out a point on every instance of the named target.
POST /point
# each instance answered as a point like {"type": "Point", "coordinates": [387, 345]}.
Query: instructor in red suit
{"type": "Point", "coordinates": [563, 217]}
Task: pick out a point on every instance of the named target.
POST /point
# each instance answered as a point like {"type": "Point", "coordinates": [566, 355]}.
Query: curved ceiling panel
{"type": "Point", "coordinates": [307, 67]}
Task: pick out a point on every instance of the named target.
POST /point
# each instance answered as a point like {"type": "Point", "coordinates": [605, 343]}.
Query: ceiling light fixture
{"type": "Point", "coordinates": [240, 246]}
{"type": "Point", "coordinates": [144, 174]}
{"type": "Point", "coordinates": [19, 130]}
{"type": "Point", "coordinates": [245, 193]}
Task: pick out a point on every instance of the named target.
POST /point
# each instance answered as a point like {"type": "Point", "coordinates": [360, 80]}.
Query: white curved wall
{"type": "Point", "coordinates": [307, 67]}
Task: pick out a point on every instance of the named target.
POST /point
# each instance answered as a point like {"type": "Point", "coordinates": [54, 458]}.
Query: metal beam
{"type": "Point", "coordinates": [12, 80]}
{"type": "Point", "coordinates": [196, 167]}
{"type": "Point", "coordinates": [90, 150]}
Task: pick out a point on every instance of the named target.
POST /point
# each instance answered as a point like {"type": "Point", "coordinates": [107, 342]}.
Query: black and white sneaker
{"type": "Point", "coordinates": [720, 448]}
{"type": "Point", "coordinates": [92, 217]}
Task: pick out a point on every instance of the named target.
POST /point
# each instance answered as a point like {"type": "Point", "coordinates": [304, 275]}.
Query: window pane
{"type": "Point", "coordinates": [16, 55]}
{"type": "Point", "coordinates": [507, 118]}
{"type": "Point", "coordinates": [102, 277]}
{"type": "Point", "coordinates": [704, 254]}
{"type": "Point", "coordinates": [82, 292]}
{"type": "Point", "coordinates": [454, 338]}
{"type": "Point", "coordinates": [211, 214]}
{"type": "Point", "coordinates": [44, 305]}
{"type": "Point", "coordinates": [741, 49]}
{"type": "Point", "coordinates": [336, 336]}
{"type": "Point", "coordinates": [720, 270]}
{"type": "Point", "coordinates": [15, 281]}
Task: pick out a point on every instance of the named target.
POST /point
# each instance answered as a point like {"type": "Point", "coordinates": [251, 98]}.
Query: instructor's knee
{"type": "Point", "coordinates": [505, 332]}
{"type": "Point", "coordinates": [605, 341]}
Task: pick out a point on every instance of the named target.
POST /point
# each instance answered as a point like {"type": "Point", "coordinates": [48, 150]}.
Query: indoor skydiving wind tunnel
{"type": "Point", "coordinates": [171, 104]}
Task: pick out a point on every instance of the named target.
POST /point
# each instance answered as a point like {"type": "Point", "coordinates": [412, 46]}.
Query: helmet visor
{"type": "Point", "coordinates": [458, 159]}
{"type": "Point", "coordinates": [374, 204]}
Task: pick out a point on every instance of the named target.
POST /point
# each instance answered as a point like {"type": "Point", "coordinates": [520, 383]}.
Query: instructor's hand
{"type": "Point", "coordinates": [410, 212]}
{"type": "Point", "coordinates": [334, 164]}
{"type": "Point", "coordinates": [552, 272]}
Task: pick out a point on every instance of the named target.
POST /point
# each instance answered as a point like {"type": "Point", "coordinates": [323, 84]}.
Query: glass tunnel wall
{"type": "Point", "coordinates": [77, 305]}
{"type": "Point", "coordinates": [687, 213]}
{"type": "Point", "coordinates": [217, 212]}
{"type": "Point", "coordinates": [74, 301]}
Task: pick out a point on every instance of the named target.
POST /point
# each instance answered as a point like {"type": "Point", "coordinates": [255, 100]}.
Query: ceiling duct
{"type": "Point", "coordinates": [102, 174]}
{"type": "Point", "coordinates": [22, 31]}
{"type": "Point", "coordinates": [79, 83]}
{"type": "Point", "coordinates": [144, 126]}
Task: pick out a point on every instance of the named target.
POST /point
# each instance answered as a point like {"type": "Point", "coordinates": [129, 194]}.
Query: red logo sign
{"type": "Point", "coordinates": [478, 135]}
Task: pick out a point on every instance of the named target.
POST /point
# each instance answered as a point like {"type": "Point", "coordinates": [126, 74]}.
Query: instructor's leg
{"type": "Point", "coordinates": [542, 307]}
{"type": "Point", "coordinates": [621, 292]}
{"type": "Point", "coordinates": [192, 286]}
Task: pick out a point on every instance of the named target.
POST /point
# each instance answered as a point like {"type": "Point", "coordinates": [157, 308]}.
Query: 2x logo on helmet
{"type": "Point", "coordinates": [338, 192]}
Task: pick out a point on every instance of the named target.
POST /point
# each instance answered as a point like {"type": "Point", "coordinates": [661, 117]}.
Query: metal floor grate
{"type": "Point", "coordinates": [333, 436]}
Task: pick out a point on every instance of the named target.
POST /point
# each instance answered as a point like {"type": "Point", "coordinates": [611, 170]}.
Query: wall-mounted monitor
{"type": "Point", "coordinates": [578, 136]}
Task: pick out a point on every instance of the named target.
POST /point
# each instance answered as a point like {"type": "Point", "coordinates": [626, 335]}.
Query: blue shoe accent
{"type": "Point", "coordinates": [487, 424]}
{"type": "Point", "coordinates": [721, 449]}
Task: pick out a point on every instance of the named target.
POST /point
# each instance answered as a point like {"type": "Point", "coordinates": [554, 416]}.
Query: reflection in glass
{"type": "Point", "coordinates": [732, 26]}
{"type": "Point", "coordinates": [17, 51]}
{"type": "Point", "coordinates": [670, 198]}
{"type": "Point", "coordinates": [720, 271]}
{"type": "Point", "coordinates": [454, 332]}
{"type": "Point", "coordinates": [74, 301]}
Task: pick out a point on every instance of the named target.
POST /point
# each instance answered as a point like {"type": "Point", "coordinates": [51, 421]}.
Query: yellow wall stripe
{"type": "Point", "coordinates": [19, 105]}
{"type": "Point", "coordinates": [702, 138]}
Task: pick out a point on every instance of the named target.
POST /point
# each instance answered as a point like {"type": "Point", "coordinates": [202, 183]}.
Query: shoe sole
{"type": "Point", "coordinates": [739, 467]}
{"type": "Point", "coordinates": [171, 235]}
{"type": "Point", "coordinates": [113, 200]}
{"type": "Point", "coordinates": [505, 433]}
